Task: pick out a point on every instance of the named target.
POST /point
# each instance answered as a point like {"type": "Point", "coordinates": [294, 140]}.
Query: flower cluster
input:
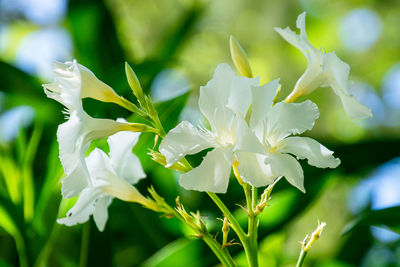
{"type": "Point", "coordinates": [96, 178]}
{"type": "Point", "coordinates": [248, 129]}
{"type": "Point", "coordinates": [261, 142]}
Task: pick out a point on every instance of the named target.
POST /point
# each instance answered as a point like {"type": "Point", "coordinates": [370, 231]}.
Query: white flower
{"type": "Point", "coordinates": [72, 82]}
{"type": "Point", "coordinates": [110, 177]}
{"type": "Point", "coordinates": [224, 101]}
{"type": "Point", "coordinates": [323, 70]}
{"type": "Point", "coordinates": [273, 126]}
{"type": "Point", "coordinates": [85, 84]}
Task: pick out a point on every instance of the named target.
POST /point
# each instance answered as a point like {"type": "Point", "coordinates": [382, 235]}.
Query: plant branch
{"type": "Point", "coordinates": [307, 243]}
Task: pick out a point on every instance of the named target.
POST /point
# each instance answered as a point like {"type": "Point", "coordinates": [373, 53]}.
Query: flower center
{"type": "Point", "coordinates": [226, 138]}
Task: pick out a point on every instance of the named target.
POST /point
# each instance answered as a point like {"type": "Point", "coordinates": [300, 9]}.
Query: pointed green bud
{"type": "Point", "coordinates": [199, 222]}
{"type": "Point", "coordinates": [275, 100]}
{"type": "Point", "coordinates": [239, 58]}
{"type": "Point", "coordinates": [159, 158]}
{"type": "Point", "coordinates": [266, 196]}
{"type": "Point", "coordinates": [137, 127]}
{"type": "Point", "coordinates": [134, 83]}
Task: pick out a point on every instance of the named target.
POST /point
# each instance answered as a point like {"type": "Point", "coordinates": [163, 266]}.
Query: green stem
{"type": "Point", "coordinates": [46, 250]}
{"type": "Point", "coordinates": [254, 199]}
{"type": "Point", "coordinates": [157, 124]}
{"type": "Point", "coordinates": [21, 249]}
{"type": "Point", "coordinates": [222, 254]}
{"type": "Point", "coordinates": [246, 240]}
{"type": "Point", "coordinates": [252, 251]}
{"type": "Point", "coordinates": [302, 256]}
{"type": "Point", "coordinates": [85, 245]}
{"type": "Point", "coordinates": [132, 107]}
{"type": "Point", "coordinates": [234, 223]}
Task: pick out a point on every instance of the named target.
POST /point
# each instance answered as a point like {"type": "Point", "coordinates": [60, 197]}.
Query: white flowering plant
{"type": "Point", "coordinates": [249, 131]}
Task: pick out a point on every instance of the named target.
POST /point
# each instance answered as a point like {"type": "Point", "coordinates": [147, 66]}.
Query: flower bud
{"type": "Point", "coordinates": [160, 158]}
{"type": "Point", "coordinates": [137, 127]}
{"type": "Point", "coordinates": [239, 58]}
{"type": "Point", "coordinates": [199, 222]}
{"type": "Point", "coordinates": [314, 236]}
{"type": "Point", "coordinates": [134, 83]}
{"type": "Point", "coordinates": [225, 231]}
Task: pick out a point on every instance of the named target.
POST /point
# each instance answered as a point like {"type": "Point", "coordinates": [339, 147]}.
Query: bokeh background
{"type": "Point", "coordinates": [174, 47]}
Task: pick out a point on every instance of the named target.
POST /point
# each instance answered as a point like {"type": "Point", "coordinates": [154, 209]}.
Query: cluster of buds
{"type": "Point", "coordinates": [193, 220]}
{"type": "Point", "coordinates": [308, 241]}
{"type": "Point", "coordinates": [265, 197]}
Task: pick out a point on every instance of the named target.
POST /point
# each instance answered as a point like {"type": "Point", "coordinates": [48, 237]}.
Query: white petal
{"type": "Point", "coordinates": [286, 165]}
{"type": "Point", "coordinates": [74, 137]}
{"type": "Point", "coordinates": [75, 181]}
{"type": "Point", "coordinates": [94, 88]}
{"type": "Point", "coordinates": [212, 175]}
{"type": "Point", "coordinates": [354, 108]}
{"type": "Point", "coordinates": [103, 175]}
{"type": "Point", "coordinates": [71, 149]}
{"type": "Point", "coordinates": [253, 170]}
{"type": "Point", "coordinates": [323, 70]}
{"type": "Point", "coordinates": [66, 87]}
{"type": "Point", "coordinates": [246, 140]}
{"type": "Point", "coordinates": [184, 139]}
{"type": "Point", "coordinates": [99, 167]}
{"type": "Point", "coordinates": [72, 82]}
{"type": "Point", "coordinates": [240, 94]}
{"type": "Point", "coordinates": [307, 148]}
{"type": "Point", "coordinates": [99, 128]}
{"type": "Point", "coordinates": [300, 41]}
{"type": "Point", "coordinates": [83, 207]}
{"type": "Point", "coordinates": [224, 90]}
{"type": "Point", "coordinates": [100, 214]}
{"type": "Point", "coordinates": [69, 139]}
{"type": "Point", "coordinates": [124, 162]}
{"type": "Point", "coordinates": [290, 118]}
{"type": "Point", "coordinates": [312, 77]}
{"type": "Point", "coordinates": [215, 93]}
{"type": "Point", "coordinates": [262, 97]}
{"type": "Point", "coordinates": [338, 80]}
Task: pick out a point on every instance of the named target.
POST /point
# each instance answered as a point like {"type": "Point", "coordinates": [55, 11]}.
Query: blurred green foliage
{"type": "Point", "coordinates": [193, 37]}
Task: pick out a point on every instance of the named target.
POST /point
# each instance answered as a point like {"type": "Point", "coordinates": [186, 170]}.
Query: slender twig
{"type": "Point", "coordinates": [307, 243]}
{"type": "Point", "coordinates": [85, 245]}
{"type": "Point", "coordinates": [301, 259]}
{"type": "Point", "coordinates": [46, 250]}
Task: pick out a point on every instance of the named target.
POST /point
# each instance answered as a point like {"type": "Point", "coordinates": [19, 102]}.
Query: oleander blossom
{"type": "Point", "coordinates": [224, 102]}
{"type": "Point", "coordinates": [273, 125]}
{"type": "Point", "coordinates": [323, 70]}
{"type": "Point", "coordinates": [72, 82]}
{"type": "Point", "coordinates": [110, 176]}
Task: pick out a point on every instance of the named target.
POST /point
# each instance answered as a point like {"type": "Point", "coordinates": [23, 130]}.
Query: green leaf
{"type": "Point", "coordinates": [11, 175]}
{"type": "Point", "coordinates": [27, 172]}
{"type": "Point", "coordinates": [181, 252]}
{"type": "Point", "coordinates": [389, 217]}
{"type": "Point", "coordinates": [271, 249]}
{"type": "Point", "coordinates": [46, 207]}
{"type": "Point", "coordinates": [7, 222]}
{"type": "Point", "coordinates": [23, 89]}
